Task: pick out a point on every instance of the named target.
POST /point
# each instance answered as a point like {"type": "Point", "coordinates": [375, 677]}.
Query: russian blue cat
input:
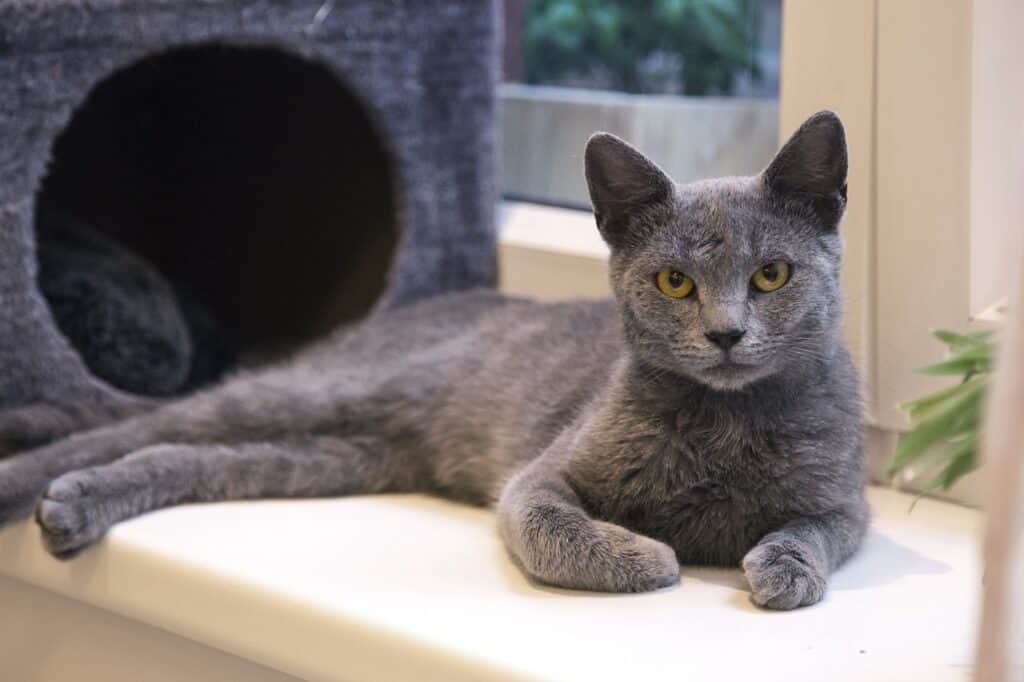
{"type": "Point", "coordinates": [708, 414]}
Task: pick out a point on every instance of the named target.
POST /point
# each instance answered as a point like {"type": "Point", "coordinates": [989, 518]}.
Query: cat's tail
{"type": "Point", "coordinates": [36, 424]}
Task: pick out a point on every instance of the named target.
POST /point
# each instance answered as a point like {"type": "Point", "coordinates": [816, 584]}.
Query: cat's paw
{"type": "Point", "coordinates": [70, 515]}
{"type": "Point", "coordinates": [636, 563]}
{"type": "Point", "coordinates": [782, 575]}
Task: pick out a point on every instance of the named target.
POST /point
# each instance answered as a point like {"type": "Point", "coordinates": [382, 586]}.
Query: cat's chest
{"type": "Point", "coordinates": [710, 490]}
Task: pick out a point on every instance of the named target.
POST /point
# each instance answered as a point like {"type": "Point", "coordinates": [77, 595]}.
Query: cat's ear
{"type": "Point", "coordinates": [812, 165]}
{"type": "Point", "coordinates": [621, 181]}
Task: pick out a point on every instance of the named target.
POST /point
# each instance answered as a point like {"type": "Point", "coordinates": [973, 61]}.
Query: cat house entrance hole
{"type": "Point", "coordinates": [252, 179]}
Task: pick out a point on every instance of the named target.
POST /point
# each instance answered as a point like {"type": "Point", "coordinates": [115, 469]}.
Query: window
{"type": "Point", "coordinates": [693, 84]}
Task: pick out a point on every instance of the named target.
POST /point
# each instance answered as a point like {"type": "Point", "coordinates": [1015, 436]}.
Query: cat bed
{"type": "Point", "coordinates": [266, 170]}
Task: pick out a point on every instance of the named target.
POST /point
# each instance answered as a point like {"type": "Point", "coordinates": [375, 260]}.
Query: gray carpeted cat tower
{"type": "Point", "coordinates": [253, 172]}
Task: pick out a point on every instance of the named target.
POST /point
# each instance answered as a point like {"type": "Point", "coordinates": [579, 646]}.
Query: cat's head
{"type": "Point", "coordinates": [733, 280]}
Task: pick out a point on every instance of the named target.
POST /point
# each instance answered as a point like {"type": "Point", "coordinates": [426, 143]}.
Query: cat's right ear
{"type": "Point", "coordinates": [621, 181]}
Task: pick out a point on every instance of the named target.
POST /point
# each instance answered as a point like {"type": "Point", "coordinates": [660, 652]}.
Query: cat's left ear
{"type": "Point", "coordinates": [621, 181]}
{"type": "Point", "coordinates": [812, 166]}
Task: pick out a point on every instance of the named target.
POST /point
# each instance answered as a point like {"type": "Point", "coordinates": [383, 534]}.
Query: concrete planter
{"type": "Point", "coordinates": [545, 129]}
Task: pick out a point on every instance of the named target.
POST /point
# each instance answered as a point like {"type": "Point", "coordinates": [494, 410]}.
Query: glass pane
{"type": "Point", "coordinates": [692, 83]}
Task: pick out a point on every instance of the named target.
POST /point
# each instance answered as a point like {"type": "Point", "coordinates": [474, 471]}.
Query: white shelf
{"type": "Point", "coordinates": [550, 228]}
{"type": "Point", "coordinates": [412, 588]}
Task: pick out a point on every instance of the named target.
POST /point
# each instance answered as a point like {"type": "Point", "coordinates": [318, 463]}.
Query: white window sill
{"type": "Point", "coordinates": [412, 588]}
{"type": "Point", "coordinates": [550, 228]}
{"type": "Point", "coordinates": [551, 253]}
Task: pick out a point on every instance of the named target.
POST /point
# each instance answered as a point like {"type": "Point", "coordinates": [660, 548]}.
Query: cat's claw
{"type": "Point", "coordinates": [781, 577]}
{"type": "Point", "coordinates": [68, 515]}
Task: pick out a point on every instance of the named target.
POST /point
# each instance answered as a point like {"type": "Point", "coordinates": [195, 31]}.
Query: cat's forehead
{"type": "Point", "coordinates": [723, 215]}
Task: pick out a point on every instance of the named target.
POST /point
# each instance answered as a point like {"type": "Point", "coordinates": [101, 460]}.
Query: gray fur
{"type": "Point", "coordinates": [608, 435]}
{"type": "Point", "coordinates": [115, 307]}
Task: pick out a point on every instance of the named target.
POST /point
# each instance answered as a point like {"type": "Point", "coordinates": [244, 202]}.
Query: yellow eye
{"type": "Point", "coordinates": [675, 284]}
{"type": "Point", "coordinates": [771, 277]}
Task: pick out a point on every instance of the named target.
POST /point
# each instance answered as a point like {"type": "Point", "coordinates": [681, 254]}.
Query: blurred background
{"type": "Point", "coordinates": [697, 80]}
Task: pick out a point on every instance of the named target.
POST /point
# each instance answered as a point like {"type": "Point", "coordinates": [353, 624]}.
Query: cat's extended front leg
{"type": "Point", "coordinates": [790, 567]}
{"type": "Point", "coordinates": [551, 536]}
{"type": "Point", "coordinates": [24, 476]}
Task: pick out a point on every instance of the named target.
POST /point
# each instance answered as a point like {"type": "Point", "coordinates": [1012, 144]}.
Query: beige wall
{"type": "Point", "coordinates": [828, 63]}
{"type": "Point", "coordinates": [903, 87]}
{"type": "Point", "coordinates": [922, 220]}
{"type": "Point", "coordinates": [997, 147]}
{"type": "Point", "coordinates": [900, 74]}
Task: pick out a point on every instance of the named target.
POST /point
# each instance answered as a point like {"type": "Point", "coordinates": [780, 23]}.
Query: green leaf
{"type": "Point", "coordinates": [931, 432]}
{"type": "Point", "coordinates": [947, 403]}
{"type": "Point", "coordinates": [925, 401]}
{"type": "Point", "coordinates": [610, 41]}
{"type": "Point", "coordinates": [968, 364]}
{"type": "Point", "coordinates": [963, 458]}
{"type": "Point", "coordinates": [947, 422]}
{"type": "Point", "coordinates": [955, 341]}
{"type": "Point", "coordinates": [927, 434]}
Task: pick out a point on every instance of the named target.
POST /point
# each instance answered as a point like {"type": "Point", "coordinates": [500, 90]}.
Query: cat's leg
{"type": "Point", "coordinates": [256, 408]}
{"type": "Point", "coordinates": [550, 535]}
{"type": "Point", "coordinates": [790, 567]}
{"type": "Point", "coordinates": [78, 507]}
{"type": "Point", "coordinates": [31, 426]}
{"type": "Point", "coordinates": [24, 476]}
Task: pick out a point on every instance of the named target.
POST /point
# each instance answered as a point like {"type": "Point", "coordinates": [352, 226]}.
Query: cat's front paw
{"type": "Point", "coordinates": [636, 563]}
{"type": "Point", "coordinates": [782, 575]}
{"type": "Point", "coordinates": [70, 515]}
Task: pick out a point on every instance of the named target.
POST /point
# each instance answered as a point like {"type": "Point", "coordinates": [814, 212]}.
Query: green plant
{"type": "Point", "coordinates": [702, 43]}
{"type": "Point", "coordinates": [947, 423]}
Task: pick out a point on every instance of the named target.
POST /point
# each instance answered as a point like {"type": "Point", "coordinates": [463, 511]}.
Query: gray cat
{"type": "Point", "coordinates": [707, 415]}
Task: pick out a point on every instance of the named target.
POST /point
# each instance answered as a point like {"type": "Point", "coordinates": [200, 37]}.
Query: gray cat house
{"type": "Point", "coordinates": [292, 164]}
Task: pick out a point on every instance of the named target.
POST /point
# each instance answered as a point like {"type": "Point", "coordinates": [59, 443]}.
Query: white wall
{"type": "Point", "coordinates": [828, 52]}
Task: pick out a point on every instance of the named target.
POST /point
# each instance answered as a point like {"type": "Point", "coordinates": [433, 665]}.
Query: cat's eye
{"type": "Point", "coordinates": [771, 277]}
{"type": "Point", "coordinates": [675, 284]}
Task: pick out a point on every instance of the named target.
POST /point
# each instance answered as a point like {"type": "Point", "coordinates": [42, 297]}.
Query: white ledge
{"type": "Point", "coordinates": [412, 588]}
{"type": "Point", "coordinates": [553, 229]}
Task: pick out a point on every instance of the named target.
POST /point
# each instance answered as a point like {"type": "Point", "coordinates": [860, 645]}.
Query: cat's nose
{"type": "Point", "coordinates": [725, 339]}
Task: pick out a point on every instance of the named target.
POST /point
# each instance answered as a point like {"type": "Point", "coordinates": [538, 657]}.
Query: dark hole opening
{"type": "Point", "coordinates": [254, 181]}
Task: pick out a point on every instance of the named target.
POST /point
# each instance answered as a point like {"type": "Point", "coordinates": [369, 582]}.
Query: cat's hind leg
{"type": "Point", "coordinates": [31, 426]}
{"type": "Point", "coordinates": [259, 408]}
{"type": "Point", "coordinates": [78, 507]}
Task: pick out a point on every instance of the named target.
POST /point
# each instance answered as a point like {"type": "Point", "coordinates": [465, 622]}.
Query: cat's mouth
{"type": "Point", "coordinates": [728, 365]}
{"type": "Point", "coordinates": [729, 374]}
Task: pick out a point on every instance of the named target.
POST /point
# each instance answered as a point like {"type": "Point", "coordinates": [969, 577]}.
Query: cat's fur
{"type": "Point", "coordinates": [611, 436]}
